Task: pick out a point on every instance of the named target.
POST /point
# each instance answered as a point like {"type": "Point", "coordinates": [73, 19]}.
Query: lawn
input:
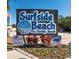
{"type": "Point", "coordinates": [50, 53]}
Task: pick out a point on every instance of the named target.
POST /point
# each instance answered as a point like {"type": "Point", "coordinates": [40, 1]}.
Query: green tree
{"type": "Point", "coordinates": [65, 23]}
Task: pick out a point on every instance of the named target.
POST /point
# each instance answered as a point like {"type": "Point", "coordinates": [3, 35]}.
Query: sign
{"type": "Point", "coordinates": [56, 40]}
{"type": "Point", "coordinates": [17, 41]}
{"type": "Point", "coordinates": [36, 21]}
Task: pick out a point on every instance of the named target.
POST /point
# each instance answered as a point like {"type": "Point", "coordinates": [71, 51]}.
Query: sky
{"type": "Point", "coordinates": [63, 6]}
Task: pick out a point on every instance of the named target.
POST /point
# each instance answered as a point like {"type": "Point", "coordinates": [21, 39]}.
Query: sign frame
{"type": "Point", "coordinates": [51, 11]}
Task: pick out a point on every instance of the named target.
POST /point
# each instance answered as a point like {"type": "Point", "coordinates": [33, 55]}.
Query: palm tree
{"type": "Point", "coordinates": [8, 7]}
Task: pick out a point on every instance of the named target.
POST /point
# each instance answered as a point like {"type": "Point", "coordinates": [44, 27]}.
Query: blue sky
{"type": "Point", "coordinates": [63, 6]}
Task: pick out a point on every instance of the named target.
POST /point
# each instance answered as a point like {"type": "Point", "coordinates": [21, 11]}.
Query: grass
{"type": "Point", "coordinates": [50, 53]}
{"type": "Point", "coordinates": [9, 46]}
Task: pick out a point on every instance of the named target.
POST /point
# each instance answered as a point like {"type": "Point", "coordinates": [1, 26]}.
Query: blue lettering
{"type": "Point", "coordinates": [35, 16]}
{"type": "Point", "coordinates": [34, 25]}
{"type": "Point", "coordinates": [28, 17]}
{"type": "Point", "coordinates": [38, 17]}
{"type": "Point", "coordinates": [46, 16]}
{"type": "Point", "coordinates": [39, 26]}
{"type": "Point", "coordinates": [22, 16]}
{"type": "Point", "coordinates": [43, 26]}
{"type": "Point", "coordinates": [48, 26]}
{"type": "Point", "coordinates": [50, 17]}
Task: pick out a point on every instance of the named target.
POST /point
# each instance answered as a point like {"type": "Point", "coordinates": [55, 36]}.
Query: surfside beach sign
{"type": "Point", "coordinates": [36, 21]}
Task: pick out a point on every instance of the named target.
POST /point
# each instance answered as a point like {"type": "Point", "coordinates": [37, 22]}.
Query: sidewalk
{"type": "Point", "coordinates": [19, 54]}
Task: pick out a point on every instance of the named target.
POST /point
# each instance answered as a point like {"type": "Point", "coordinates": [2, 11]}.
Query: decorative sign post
{"type": "Point", "coordinates": [57, 40]}
{"type": "Point", "coordinates": [36, 21]}
{"type": "Point", "coordinates": [17, 41]}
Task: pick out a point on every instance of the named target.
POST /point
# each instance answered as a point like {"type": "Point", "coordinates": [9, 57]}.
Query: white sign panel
{"type": "Point", "coordinates": [17, 41]}
{"type": "Point", "coordinates": [56, 40]}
